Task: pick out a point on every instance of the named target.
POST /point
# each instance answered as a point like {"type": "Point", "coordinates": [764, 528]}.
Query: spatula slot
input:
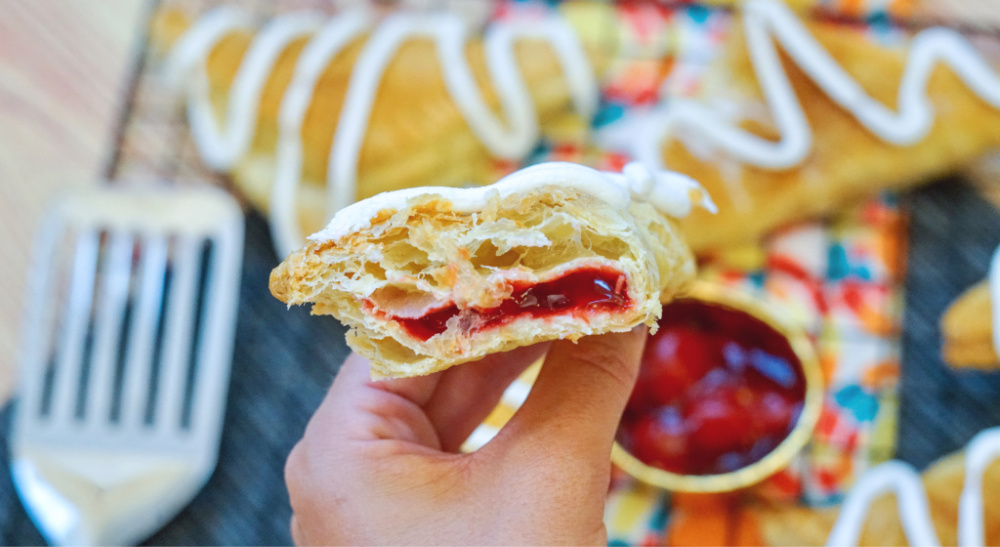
{"type": "Point", "coordinates": [143, 327]}
{"type": "Point", "coordinates": [156, 364]}
{"type": "Point", "coordinates": [54, 274]}
{"type": "Point", "coordinates": [72, 334]}
{"type": "Point", "coordinates": [116, 272]}
{"type": "Point", "coordinates": [118, 382]}
{"type": "Point", "coordinates": [205, 276]}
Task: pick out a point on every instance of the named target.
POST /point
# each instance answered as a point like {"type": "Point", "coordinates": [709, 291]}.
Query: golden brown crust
{"type": "Point", "coordinates": [967, 330]}
{"type": "Point", "coordinates": [846, 163]}
{"type": "Point", "coordinates": [427, 256]}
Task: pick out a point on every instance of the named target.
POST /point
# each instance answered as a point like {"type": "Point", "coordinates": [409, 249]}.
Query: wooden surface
{"type": "Point", "coordinates": [63, 69]}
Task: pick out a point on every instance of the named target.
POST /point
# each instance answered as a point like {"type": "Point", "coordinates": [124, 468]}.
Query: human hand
{"type": "Point", "coordinates": [379, 461]}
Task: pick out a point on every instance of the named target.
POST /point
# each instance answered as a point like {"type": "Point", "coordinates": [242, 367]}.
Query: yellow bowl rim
{"type": "Point", "coordinates": [783, 454]}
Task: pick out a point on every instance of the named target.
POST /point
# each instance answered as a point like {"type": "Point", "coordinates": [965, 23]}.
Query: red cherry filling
{"type": "Point", "coordinates": [581, 291]}
{"type": "Point", "coordinates": [718, 390]}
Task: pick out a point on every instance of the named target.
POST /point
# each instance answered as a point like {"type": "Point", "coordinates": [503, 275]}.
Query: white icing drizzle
{"type": "Point", "coordinates": [222, 148]}
{"type": "Point", "coordinates": [450, 35]}
{"type": "Point", "coordinates": [984, 448]}
{"type": "Point", "coordinates": [670, 192]}
{"type": "Point", "coordinates": [904, 481]}
{"type": "Point", "coordinates": [893, 476]}
{"type": "Point", "coordinates": [318, 53]}
{"type": "Point", "coordinates": [994, 287]}
{"type": "Point", "coordinates": [767, 21]}
{"type": "Point", "coordinates": [193, 46]}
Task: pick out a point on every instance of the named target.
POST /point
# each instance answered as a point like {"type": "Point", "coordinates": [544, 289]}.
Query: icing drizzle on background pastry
{"type": "Point", "coordinates": [223, 147]}
{"type": "Point", "coordinates": [904, 481]}
{"type": "Point", "coordinates": [767, 21]}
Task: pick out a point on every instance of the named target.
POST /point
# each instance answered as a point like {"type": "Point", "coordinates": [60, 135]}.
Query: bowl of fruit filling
{"type": "Point", "coordinates": [728, 393]}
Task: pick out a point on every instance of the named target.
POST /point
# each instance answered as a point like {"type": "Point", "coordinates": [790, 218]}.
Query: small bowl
{"type": "Point", "coordinates": [782, 455]}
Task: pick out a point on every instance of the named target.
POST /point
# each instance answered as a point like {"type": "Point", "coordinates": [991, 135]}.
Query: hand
{"type": "Point", "coordinates": [379, 461]}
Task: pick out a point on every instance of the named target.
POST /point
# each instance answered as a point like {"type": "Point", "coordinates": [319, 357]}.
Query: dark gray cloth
{"type": "Point", "coordinates": [285, 360]}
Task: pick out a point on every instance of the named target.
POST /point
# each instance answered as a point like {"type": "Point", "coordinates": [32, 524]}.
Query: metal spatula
{"type": "Point", "coordinates": [127, 349]}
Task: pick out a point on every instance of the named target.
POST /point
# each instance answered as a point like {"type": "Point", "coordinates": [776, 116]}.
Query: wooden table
{"type": "Point", "coordinates": [63, 67]}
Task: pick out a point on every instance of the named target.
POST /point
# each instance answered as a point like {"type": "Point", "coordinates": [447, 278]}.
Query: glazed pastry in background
{"type": "Point", "coordinates": [983, 175]}
{"type": "Point", "coordinates": [429, 101]}
{"type": "Point", "coordinates": [970, 336]}
{"type": "Point", "coordinates": [961, 507]}
{"type": "Point", "coordinates": [821, 117]}
{"type": "Point", "coordinates": [967, 330]}
{"type": "Point", "coordinates": [427, 278]}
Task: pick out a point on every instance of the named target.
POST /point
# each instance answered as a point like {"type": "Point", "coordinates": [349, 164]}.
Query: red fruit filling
{"type": "Point", "coordinates": [578, 292]}
{"type": "Point", "coordinates": [718, 390]}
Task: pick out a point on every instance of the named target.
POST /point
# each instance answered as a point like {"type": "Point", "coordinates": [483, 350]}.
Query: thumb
{"type": "Point", "coordinates": [579, 396]}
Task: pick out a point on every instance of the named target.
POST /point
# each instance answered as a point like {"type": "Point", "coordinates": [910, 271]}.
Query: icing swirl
{"type": "Point", "coordinates": [904, 481]}
{"type": "Point", "coordinates": [769, 21]}
{"type": "Point", "coordinates": [223, 147]}
{"type": "Point", "coordinates": [765, 21]}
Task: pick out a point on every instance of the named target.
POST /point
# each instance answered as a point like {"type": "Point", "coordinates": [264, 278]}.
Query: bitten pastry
{"type": "Point", "coordinates": [309, 114]}
{"type": "Point", "coordinates": [798, 119]}
{"type": "Point", "coordinates": [427, 278]}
